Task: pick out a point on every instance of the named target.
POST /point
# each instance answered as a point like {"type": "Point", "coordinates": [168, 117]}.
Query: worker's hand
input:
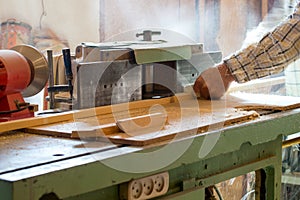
{"type": "Point", "coordinates": [213, 82]}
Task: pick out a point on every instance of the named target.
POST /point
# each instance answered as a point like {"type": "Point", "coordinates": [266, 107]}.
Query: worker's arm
{"type": "Point", "coordinates": [269, 56]}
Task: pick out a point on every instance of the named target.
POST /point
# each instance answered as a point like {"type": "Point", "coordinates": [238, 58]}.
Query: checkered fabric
{"type": "Point", "coordinates": [292, 79]}
{"type": "Point", "coordinates": [271, 55]}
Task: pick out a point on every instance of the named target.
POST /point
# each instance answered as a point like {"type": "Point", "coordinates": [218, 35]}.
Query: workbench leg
{"type": "Point", "coordinates": [268, 180]}
{"type": "Point", "coordinates": [274, 173]}
{"type": "Point", "coordinates": [273, 182]}
{"type": "Point", "coordinates": [6, 190]}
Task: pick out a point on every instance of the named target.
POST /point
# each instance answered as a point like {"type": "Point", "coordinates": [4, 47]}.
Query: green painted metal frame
{"type": "Point", "coordinates": [241, 148]}
{"type": "Point", "coordinates": [161, 54]}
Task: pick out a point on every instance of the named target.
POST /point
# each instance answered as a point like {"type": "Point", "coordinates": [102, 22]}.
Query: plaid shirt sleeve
{"type": "Point", "coordinates": [271, 54]}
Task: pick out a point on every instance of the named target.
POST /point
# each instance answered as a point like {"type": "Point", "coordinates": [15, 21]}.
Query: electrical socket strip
{"type": "Point", "coordinates": [148, 187]}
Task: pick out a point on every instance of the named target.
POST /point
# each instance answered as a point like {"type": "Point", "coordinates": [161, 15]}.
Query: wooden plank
{"type": "Point", "coordinates": [183, 118]}
{"type": "Point", "coordinates": [247, 101]}
{"type": "Point", "coordinates": [90, 127]}
{"type": "Point", "coordinates": [171, 133]}
{"type": "Point", "coordinates": [257, 86]}
{"type": "Point", "coordinates": [142, 124]}
{"type": "Point", "coordinates": [67, 116]}
{"type": "Point", "coordinates": [124, 127]}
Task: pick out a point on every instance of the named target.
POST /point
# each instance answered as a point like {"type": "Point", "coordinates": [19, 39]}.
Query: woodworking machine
{"type": "Point", "coordinates": [134, 70]}
{"type": "Point", "coordinates": [63, 155]}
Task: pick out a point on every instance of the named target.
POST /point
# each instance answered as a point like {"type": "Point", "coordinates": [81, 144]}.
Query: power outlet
{"type": "Point", "coordinates": [136, 189]}
{"type": "Point", "coordinates": [148, 187]}
{"type": "Point", "coordinates": [159, 183]}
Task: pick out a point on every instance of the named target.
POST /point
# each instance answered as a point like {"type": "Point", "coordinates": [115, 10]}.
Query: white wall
{"type": "Point", "coordinates": [73, 20]}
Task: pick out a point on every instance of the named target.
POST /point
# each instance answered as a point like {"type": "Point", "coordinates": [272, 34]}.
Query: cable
{"type": "Point", "coordinates": [247, 194]}
{"type": "Point", "coordinates": [20, 107]}
{"type": "Point", "coordinates": [218, 192]}
{"type": "Point", "coordinates": [44, 13]}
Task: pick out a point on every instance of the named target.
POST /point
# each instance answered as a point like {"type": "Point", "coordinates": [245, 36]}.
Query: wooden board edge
{"type": "Point", "coordinates": [65, 116]}
{"type": "Point", "coordinates": [268, 107]}
{"type": "Point", "coordinates": [251, 115]}
{"type": "Point", "coordinates": [47, 133]}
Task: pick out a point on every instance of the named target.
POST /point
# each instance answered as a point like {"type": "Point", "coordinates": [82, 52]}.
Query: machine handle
{"type": "Point", "coordinates": [68, 64]}
{"type": "Point", "coordinates": [148, 34]}
{"type": "Point", "coordinates": [51, 79]}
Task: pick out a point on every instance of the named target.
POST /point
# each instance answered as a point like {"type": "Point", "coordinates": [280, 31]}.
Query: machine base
{"type": "Point", "coordinates": [9, 109]}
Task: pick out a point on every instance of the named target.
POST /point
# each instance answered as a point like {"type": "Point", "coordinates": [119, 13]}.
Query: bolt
{"type": "Point", "coordinates": [200, 183]}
